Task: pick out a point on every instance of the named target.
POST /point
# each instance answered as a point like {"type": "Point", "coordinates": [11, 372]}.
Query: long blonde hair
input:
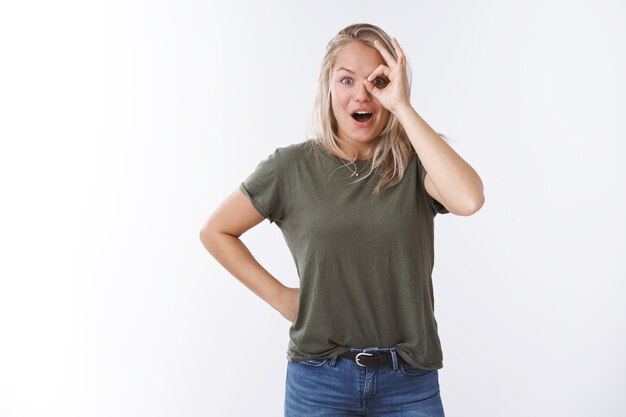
{"type": "Point", "coordinates": [394, 151]}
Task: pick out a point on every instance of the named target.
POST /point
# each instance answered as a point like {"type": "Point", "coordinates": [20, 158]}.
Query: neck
{"type": "Point", "coordinates": [359, 151]}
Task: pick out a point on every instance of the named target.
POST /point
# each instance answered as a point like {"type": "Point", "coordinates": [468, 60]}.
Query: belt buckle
{"type": "Point", "coordinates": [359, 354]}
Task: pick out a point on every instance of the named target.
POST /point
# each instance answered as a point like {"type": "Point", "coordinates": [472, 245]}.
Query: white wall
{"type": "Point", "coordinates": [123, 124]}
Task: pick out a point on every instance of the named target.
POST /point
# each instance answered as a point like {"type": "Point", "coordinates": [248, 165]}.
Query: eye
{"type": "Point", "coordinates": [384, 82]}
{"type": "Point", "coordinates": [344, 79]}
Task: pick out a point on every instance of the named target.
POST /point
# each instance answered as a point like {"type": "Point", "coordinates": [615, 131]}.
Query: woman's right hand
{"type": "Point", "coordinates": [289, 303]}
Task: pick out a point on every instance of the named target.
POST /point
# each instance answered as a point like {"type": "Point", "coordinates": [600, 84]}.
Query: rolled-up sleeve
{"type": "Point", "coordinates": [263, 188]}
{"type": "Point", "coordinates": [435, 205]}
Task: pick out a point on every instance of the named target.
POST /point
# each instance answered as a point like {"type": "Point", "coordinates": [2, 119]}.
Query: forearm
{"type": "Point", "coordinates": [235, 257]}
{"type": "Point", "coordinates": [456, 181]}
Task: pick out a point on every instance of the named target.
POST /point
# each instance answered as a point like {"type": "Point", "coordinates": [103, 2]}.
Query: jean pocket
{"type": "Point", "coordinates": [409, 370]}
{"type": "Point", "coordinates": [313, 362]}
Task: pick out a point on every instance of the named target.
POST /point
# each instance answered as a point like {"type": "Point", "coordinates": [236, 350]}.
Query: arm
{"type": "Point", "coordinates": [220, 237]}
{"type": "Point", "coordinates": [449, 179]}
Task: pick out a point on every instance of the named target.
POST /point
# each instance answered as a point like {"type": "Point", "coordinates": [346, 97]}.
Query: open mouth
{"type": "Point", "coordinates": [361, 116]}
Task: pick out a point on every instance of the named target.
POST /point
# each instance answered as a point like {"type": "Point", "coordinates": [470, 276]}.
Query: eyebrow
{"type": "Point", "coordinates": [345, 69]}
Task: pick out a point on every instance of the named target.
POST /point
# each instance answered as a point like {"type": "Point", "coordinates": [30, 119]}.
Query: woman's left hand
{"type": "Point", "coordinates": [396, 92]}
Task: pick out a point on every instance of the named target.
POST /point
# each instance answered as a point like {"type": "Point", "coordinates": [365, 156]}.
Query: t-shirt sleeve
{"type": "Point", "coordinates": [263, 188]}
{"type": "Point", "coordinates": [435, 205]}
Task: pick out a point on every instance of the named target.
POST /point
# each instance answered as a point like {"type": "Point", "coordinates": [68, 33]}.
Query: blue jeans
{"type": "Point", "coordinates": [340, 387]}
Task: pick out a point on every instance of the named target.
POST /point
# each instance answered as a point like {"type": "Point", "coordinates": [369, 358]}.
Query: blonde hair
{"type": "Point", "coordinates": [394, 151]}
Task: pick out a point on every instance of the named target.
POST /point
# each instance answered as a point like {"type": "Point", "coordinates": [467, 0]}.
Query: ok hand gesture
{"type": "Point", "coordinates": [396, 93]}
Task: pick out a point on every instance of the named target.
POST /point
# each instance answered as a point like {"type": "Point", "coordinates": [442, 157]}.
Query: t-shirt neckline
{"type": "Point", "coordinates": [336, 158]}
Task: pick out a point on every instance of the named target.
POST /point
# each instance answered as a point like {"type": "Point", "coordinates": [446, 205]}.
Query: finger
{"type": "Point", "coordinates": [398, 49]}
{"type": "Point", "coordinates": [381, 69]}
{"type": "Point", "coordinates": [389, 59]}
{"type": "Point", "coordinates": [373, 88]}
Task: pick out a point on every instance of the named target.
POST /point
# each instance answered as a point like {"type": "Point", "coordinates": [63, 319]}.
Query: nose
{"type": "Point", "coordinates": [361, 93]}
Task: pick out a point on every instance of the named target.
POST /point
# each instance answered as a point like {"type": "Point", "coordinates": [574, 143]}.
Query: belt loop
{"type": "Point", "coordinates": [332, 361]}
{"type": "Point", "coordinates": [394, 359]}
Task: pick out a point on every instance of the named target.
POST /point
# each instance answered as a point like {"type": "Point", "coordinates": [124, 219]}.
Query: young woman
{"type": "Point", "coordinates": [356, 206]}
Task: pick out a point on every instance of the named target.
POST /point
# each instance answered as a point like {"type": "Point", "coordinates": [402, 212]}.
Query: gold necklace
{"type": "Point", "coordinates": [353, 170]}
{"type": "Point", "coordinates": [357, 173]}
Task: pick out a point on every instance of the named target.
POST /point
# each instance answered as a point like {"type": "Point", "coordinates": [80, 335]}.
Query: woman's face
{"type": "Point", "coordinates": [355, 62]}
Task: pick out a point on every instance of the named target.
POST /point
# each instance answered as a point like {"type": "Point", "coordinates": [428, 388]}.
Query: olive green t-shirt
{"type": "Point", "coordinates": [364, 261]}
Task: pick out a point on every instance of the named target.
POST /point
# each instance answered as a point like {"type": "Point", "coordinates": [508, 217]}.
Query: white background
{"type": "Point", "coordinates": [125, 123]}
